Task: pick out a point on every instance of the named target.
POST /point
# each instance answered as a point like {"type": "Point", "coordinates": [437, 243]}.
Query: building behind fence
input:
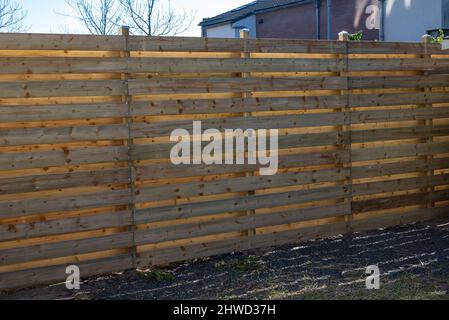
{"type": "Point", "coordinates": [85, 174]}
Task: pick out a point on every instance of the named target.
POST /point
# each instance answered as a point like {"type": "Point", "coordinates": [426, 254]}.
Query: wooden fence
{"type": "Point", "coordinates": [85, 175]}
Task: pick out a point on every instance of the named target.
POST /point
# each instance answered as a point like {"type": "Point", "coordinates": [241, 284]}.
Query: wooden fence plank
{"type": "Point", "coordinates": [208, 65]}
{"type": "Point", "coordinates": [399, 201]}
{"type": "Point", "coordinates": [154, 129]}
{"type": "Point", "coordinates": [20, 184]}
{"type": "Point", "coordinates": [406, 150]}
{"type": "Point", "coordinates": [184, 44]}
{"type": "Point", "coordinates": [185, 231]}
{"type": "Point", "coordinates": [24, 278]}
{"type": "Point", "coordinates": [162, 150]}
{"type": "Point", "coordinates": [392, 64]}
{"type": "Point", "coordinates": [384, 169]}
{"type": "Point", "coordinates": [252, 202]}
{"type": "Point", "coordinates": [34, 89]}
{"type": "Point", "coordinates": [237, 105]}
{"type": "Point", "coordinates": [16, 231]}
{"type": "Point", "coordinates": [30, 41]}
{"type": "Point", "coordinates": [413, 98]}
{"type": "Point", "coordinates": [65, 157]}
{"type": "Point", "coordinates": [61, 112]}
{"type": "Point", "coordinates": [216, 85]}
{"type": "Point", "coordinates": [400, 82]}
{"type": "Point", "coordinates": [371, 47]}
{"type": "Point", "coordinates": [48, 204]}
{"type": "Point", "coordinates": [398, 185]}
{"type": "Point", "coordinates": [359, 117]}
{"type": "Point", "coordinates": [167, 170]}
{"type": "Point", "coordinates": [165, 65]}
{"type": "Point", "coordinates": [33, 136]}
{"type": "Point", "coordinates": [61, 65]}
{"type": "Point", "coordinates": [195, 189]}
{"type": "Point", "coordinates": [359, 136]}
{"type": "Point", "coordinates": [65, 248]}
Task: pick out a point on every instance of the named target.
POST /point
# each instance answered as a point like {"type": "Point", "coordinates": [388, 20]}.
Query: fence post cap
{"type": "Point", "coordinates": [427, 38]}
{"type": "Point", "coordinates": [343, 36]}
{"type": "Point", "coordinates": [244, 33]}
{"type": "Point", "coordinates": [123, 30]}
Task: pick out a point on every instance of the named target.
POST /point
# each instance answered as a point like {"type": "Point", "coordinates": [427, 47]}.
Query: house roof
{"type": "Point", "coordinates": [248, 10]}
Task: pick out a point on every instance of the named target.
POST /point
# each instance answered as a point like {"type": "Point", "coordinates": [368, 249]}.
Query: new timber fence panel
{"type": "Point", "coordinates": [64, 180]}
{"type": "Point", "coordinates": [85, 124]}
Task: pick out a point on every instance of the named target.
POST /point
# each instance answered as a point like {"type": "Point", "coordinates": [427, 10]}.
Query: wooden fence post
{"type": "Point", "coordinates": [244, 34]}
{"type": "Point", "coordinates": [126, 98]}
{"type": "Point", "coordinates": [345, 135]}
{"type": "Point", "coordinates": [426, 39]}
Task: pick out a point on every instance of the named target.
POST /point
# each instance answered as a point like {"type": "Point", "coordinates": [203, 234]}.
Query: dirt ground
{"type": "Point", "coordinates": [413, 261]}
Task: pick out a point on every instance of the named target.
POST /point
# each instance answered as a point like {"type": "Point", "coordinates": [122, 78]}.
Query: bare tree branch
{"type": "Point", "coordinates": [151, 18]}
{"type": "Point", "coordinates": [12, 16]}
{"type": "Point", "coordinates": [99, 17]}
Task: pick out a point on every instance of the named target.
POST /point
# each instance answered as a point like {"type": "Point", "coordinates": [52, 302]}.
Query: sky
{"type": "Point", "coordinates": [43, 15]}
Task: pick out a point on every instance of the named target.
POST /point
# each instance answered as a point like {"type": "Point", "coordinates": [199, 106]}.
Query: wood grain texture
{"type": "Point", "coordinates": [68, 156]}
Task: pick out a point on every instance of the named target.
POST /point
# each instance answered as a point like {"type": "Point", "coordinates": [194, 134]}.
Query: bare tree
{"type": "Point", "coordinates": [12, 16]}
{"type": "Point", "coordinates": [152, 18]}
{"type": "Point", "coordinates": [98, 16]}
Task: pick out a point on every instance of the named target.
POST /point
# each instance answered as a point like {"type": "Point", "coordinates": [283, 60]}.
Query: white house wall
{"type": "Point", "coordinates": [409, 20]}
{"type": "Point", "coordinates": [223, 31]}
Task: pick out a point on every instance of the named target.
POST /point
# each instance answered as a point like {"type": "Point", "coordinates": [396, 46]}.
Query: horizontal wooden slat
{"type": "Point", "coordinates": [372, 47]}
{"type": "Point", "coordinates": [217, 85]}
{"type": "Point", "coordinates": [154, 129]}
{"type": "Point", "coordinates": [392, 64]}
{"type": "Point", "coordinates": [406, 150]}
{"type": "Point", "coordinates": [384, 169]}
{"type": "Point", "coordinates": [207, 65]}
{"type": "Point", "coordinates": [185, 231]}
{"type": "Point", "coordinates": [182, 44]}
{"type": "Point", "coordinates": [61, 65]}
{"type": "Point", "coordinates": [162, 151]}
{"type": "Point", "coordinates": [65, 248]}
{"type": "Point", "coordinates": [61, 112]}
{"type": "Point", "coordinates": [168, 170]}
{"type": "Point", "coordinates": [14, 231]}
{"type": "Point", "coordinates": [33, 89]}
{"type": "Point", "coordinates": [33, 136]}
{"type": "Point", "coordinates": [164, 65]}
{"type": "Point", "coordinates": [396, 219]}
{"type": "Point", "coordinates": [237, 204]}
{"type": "Point", "coordinates": [48, 204]}
{"type": "Point", "coordinates": [179, 107]}
{"type": "Point", "coordinates": [56, 273]}
{"type": "Point", "coordinates": [45, 159]}
{"type": "Point", "coordinates": [399, 201]}
{"type": "Point", "coordinates": [418, 82]}
{"type": "Point", "coordinates": [14, 41]}
{"type": "Point", "coordinates": [358, 136]}
{"type": "Point", "coordinates": [10, 185]}
{"type": "Point", "coordinates": [375, 100]}
{"type": "Point", "coordinates": [399, 185]}
{"type": "Point", "coordinates": [195, 189]}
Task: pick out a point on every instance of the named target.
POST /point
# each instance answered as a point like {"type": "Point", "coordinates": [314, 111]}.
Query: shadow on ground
{"type": "Point", "coordinates": [413, 261]}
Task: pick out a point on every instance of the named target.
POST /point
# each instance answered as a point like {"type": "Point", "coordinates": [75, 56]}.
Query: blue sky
{"type": "Point", "coordinates": [42, 16]}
